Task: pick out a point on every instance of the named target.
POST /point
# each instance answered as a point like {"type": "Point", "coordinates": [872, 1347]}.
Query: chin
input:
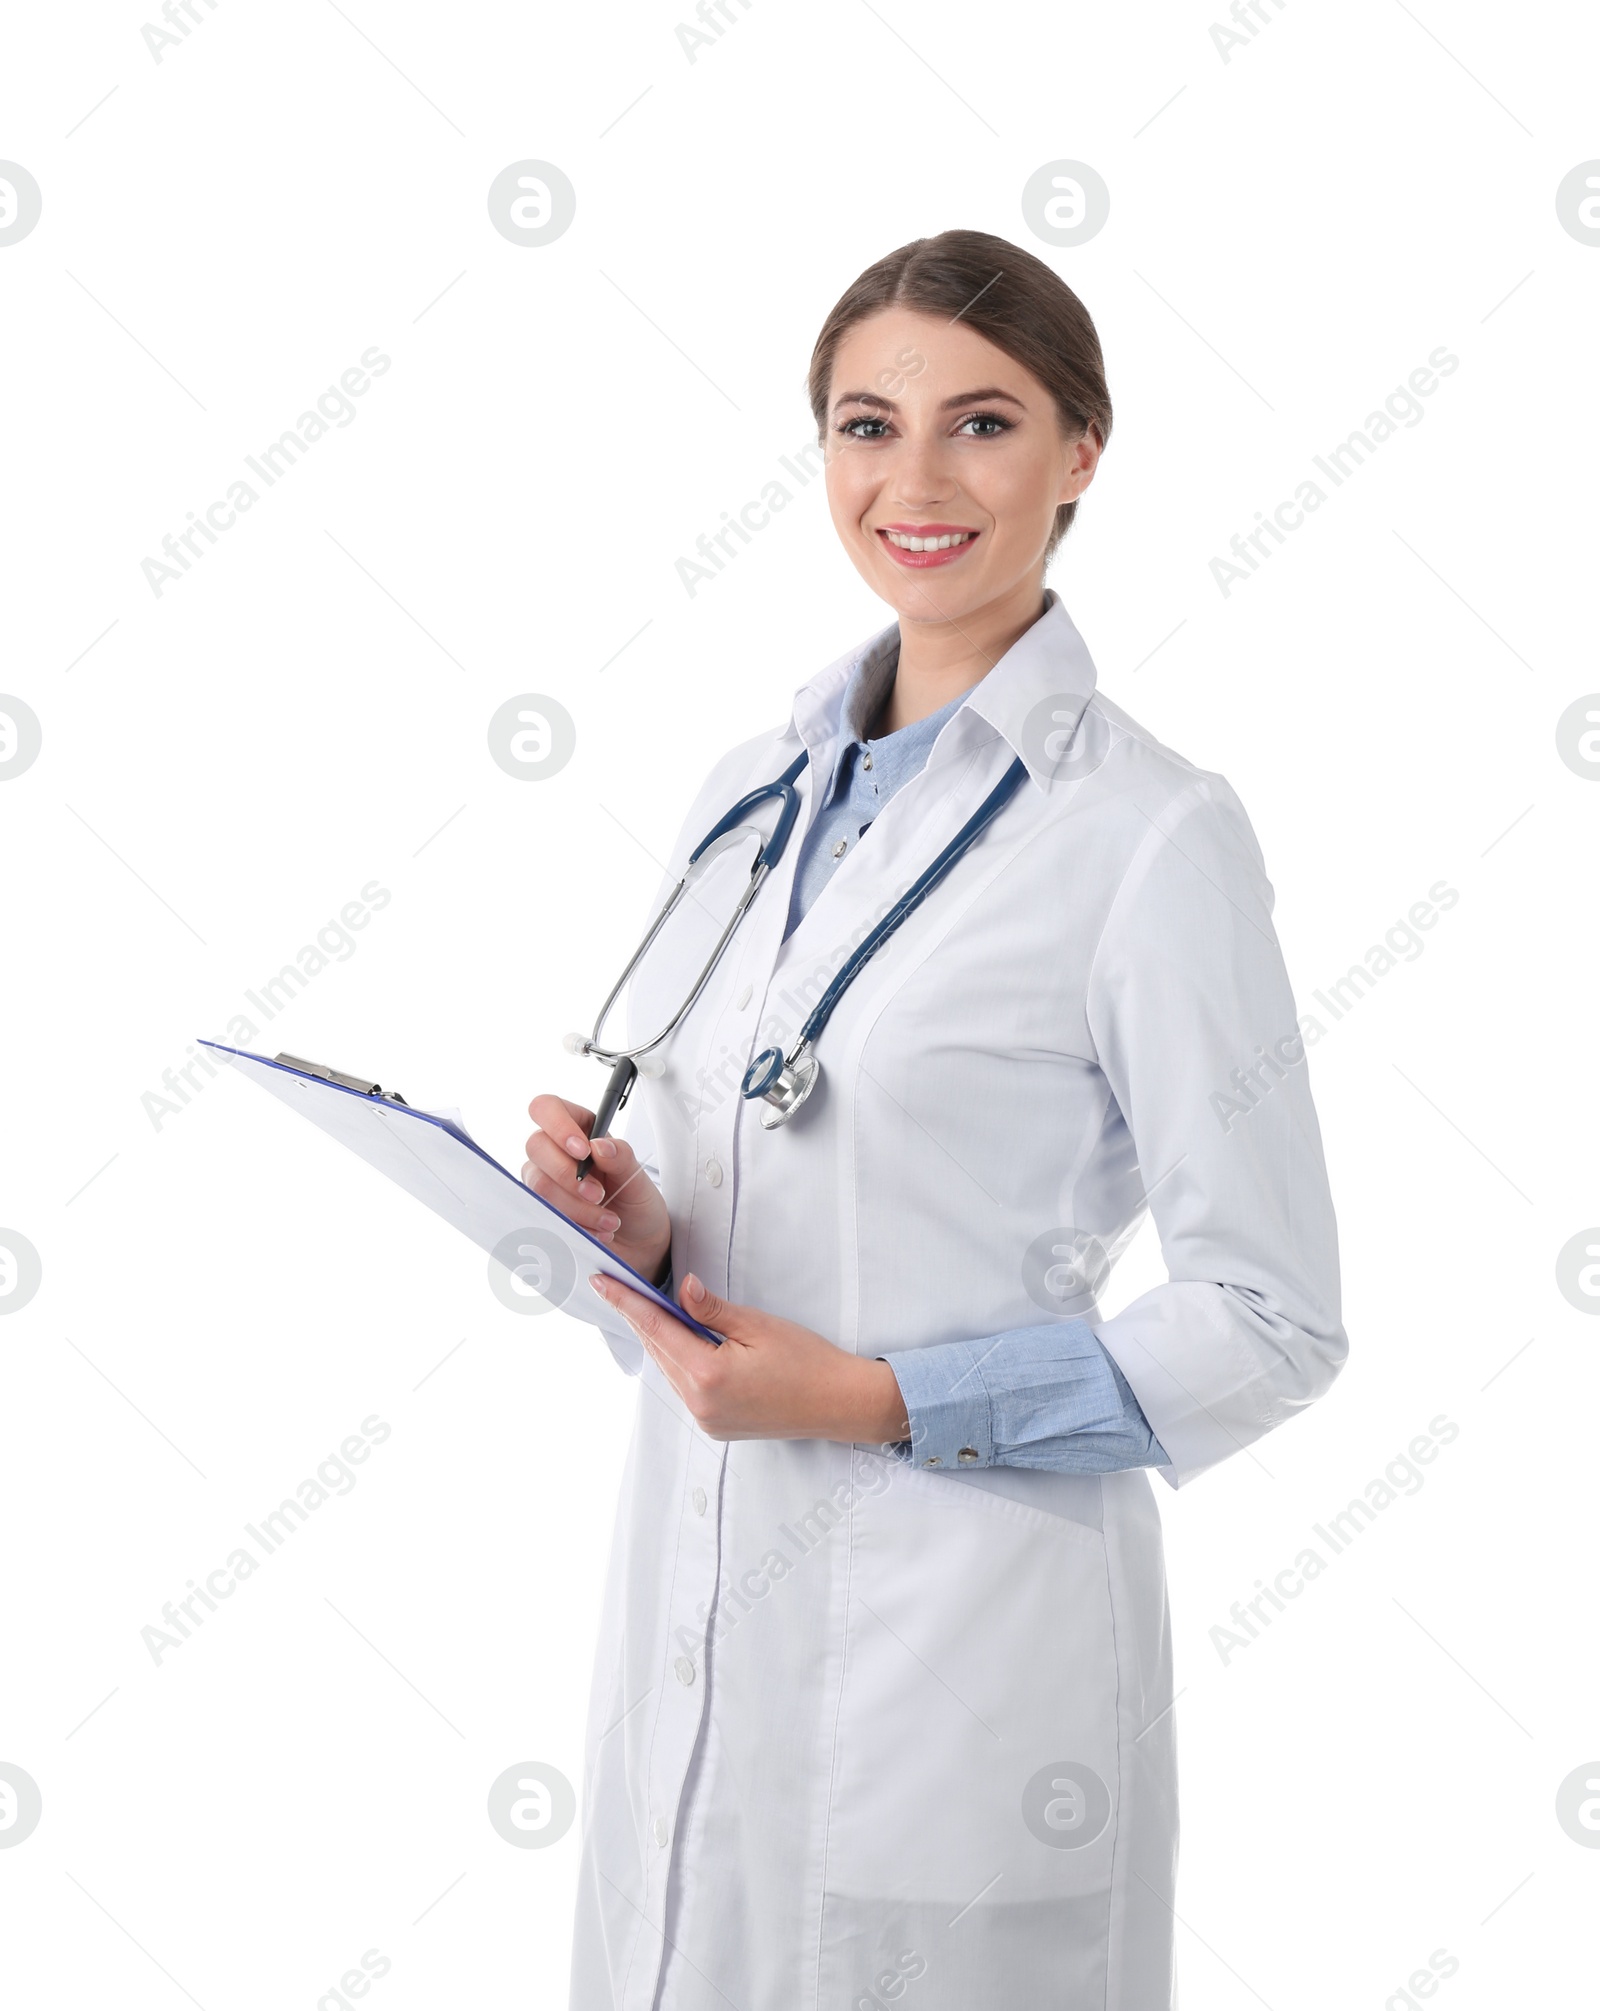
{"type": "Point", "coordinates": [930, 596]}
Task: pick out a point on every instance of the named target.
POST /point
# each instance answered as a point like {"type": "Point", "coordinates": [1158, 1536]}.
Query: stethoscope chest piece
{"type": "Point", "coordinates": [781, 1085]}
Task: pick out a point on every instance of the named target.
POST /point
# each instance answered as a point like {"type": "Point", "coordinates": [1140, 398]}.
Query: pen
{"type": "Point", "coordinates": [620, 1081]}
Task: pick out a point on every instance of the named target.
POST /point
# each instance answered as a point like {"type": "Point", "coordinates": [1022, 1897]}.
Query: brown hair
{"type": "Point", "coordinates": [1004, 294]}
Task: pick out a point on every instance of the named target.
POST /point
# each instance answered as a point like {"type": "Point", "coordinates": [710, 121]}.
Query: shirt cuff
{"type": "Point", "coordinates": [947, 1404]}
{"type": "Point", "coordinates": [1047, 1396]}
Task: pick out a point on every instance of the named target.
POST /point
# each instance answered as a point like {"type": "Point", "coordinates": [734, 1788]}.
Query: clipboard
{"type": "Point", "coordinates": [437, 1161]}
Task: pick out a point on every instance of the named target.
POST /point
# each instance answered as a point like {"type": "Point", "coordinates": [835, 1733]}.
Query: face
{"type": "Point", "coordinates": [946, 462]}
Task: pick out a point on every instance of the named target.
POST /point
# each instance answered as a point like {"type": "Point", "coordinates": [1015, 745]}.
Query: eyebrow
{"type": "Point", "coordinates": [948, 405]}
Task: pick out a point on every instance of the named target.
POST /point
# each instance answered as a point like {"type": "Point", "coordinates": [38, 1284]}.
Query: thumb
{"type": "Point", "coordinates": [723, 1316]}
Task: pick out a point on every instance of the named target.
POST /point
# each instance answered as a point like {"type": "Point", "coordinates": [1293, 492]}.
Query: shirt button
{"type": "Point", "coordinates": [658, 1829]}
{"type": "Point", "coordinates": [841, 848]}
{"type": "Point", "coordinates": [714, 1172]}
{"type": "Point", "coordinates": [967, 1456]}
{"type": "Point", "coordinates": [699, 1500]}
{"type": "Point", "coordinates": [935, 1461]}
{"type": "Point", "coordinates": [743, 999]}
{"type": "Point", "coordinates": [683, 1669]}
{"type": "Point", "coordinates": [866, 760]}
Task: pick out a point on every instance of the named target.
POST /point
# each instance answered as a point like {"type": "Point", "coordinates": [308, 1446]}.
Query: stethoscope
{"type": "Point", "coordinates": [781, 1081]}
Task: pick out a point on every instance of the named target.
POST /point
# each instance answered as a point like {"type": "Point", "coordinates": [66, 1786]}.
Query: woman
{"type": "Point", "coordinates": [882, 1705]}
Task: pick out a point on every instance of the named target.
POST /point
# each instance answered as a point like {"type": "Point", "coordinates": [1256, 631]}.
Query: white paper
{"type": "Point", "coordinates": [431, 1155]}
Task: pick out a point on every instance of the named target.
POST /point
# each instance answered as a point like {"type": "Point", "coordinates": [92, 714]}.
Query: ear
{"type": "Point", "coordinates": [1083, 457]}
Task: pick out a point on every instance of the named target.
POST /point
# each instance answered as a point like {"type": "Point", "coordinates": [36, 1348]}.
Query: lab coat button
{"type": "Point", "coordinates": [699, 1500]}
{"type": "Point", "coordinates": [714, 1172]}
{"type": "Point", "coordinates": [743, 999]}
{"type": "Point", "coordinates": [683, 1669]}
{"type": "Point", "coordinates": [658, 1829]}
{"type": "Point", "coordinates": [967, 1456]}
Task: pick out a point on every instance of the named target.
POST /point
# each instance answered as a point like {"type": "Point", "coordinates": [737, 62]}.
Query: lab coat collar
{"type": "Point", "coordinates": [1036, 694]}
{"type": "Point", "coordinates": [818, 721]}
{"type": "Point", "coordinates": [1037, 691]}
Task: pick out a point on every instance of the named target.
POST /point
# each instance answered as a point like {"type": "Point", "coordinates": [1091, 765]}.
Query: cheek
{"type": "Point", "coordinates": [1019, 491]}
{"type": "Point", "coordinates": [850, 493]}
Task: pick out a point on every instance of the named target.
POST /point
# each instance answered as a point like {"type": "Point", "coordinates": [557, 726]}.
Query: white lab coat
{"type": "Point", "coordinates": [849, 1715]}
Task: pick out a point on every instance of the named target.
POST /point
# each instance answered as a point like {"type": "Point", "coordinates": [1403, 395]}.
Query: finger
{"type": "Point", "coordinates": [605, 1184]}
{"type": "Point", "coordinates": [669, 1340]}
{"type": "Point", "coordinates": [614, 1161]}
{"type": "Point", "coordinates": [560, 1168]}
{"type": "Point", "coordinates": [564, 1122]}
{"type": "Point", "coordinates": [598, 1219]}
{"type": "Point", "coordinates": [616, 1155]}
{"type": "Point", "coordinates": [723, 1316]}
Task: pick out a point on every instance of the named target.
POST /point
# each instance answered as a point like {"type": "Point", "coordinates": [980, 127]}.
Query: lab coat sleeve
{"type": "Point", "coordinates": [1194, 1025]}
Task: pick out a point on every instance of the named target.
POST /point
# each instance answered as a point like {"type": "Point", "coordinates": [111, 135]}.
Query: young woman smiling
{"type": "Point", "coordinates": [882, 1703]}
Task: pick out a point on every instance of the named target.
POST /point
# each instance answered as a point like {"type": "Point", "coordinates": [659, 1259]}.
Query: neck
{"type": "Point", "coordinates": [940, 659]}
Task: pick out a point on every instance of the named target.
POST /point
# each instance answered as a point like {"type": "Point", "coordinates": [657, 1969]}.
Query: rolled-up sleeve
{"type": "Point", "coordinates": [1047, 1396]}
{"type": "Point", "coordinates": [1195, 1029]}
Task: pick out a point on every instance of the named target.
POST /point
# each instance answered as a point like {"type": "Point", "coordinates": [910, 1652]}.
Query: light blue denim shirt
{"type": "Point", "coordinates": [1044, 1396]}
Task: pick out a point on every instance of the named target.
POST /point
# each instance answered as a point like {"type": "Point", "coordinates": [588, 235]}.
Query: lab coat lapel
{"type": "Point", "coordinates": [1030, 704]}
{"type": "Point", "coordinates": [816, 725]}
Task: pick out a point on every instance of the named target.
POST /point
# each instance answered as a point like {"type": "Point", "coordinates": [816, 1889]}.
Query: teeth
{"type": "Point", "coordinates": [910, 544]}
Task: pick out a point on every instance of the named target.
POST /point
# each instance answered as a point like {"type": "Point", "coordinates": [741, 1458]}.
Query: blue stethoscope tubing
{"type": "Point", "coordinates": [785, 1081]}
{"type": "Point", "coordinates": [624, 1062]}
{"type": "Point", "coordinates": [782, 1082]}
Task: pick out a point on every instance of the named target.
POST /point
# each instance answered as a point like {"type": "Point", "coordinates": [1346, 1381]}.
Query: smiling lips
{"type": "Point", "coordinates": [925, 544]}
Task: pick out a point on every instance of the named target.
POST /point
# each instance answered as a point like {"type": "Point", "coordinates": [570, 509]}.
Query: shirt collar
{"type": "Point", "coordinates": [1035, 693]}
{"type": "Point", "coordinates": [866, 688]}
{"type": "Point", "coordinates": [868, 685]}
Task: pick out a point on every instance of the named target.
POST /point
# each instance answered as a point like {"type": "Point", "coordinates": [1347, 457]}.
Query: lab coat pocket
{"type": "Point", "coordinates": [974, 1806]}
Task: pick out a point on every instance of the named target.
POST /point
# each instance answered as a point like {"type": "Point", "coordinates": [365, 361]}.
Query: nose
{"type": "Point", "coordinates": [922, 476]}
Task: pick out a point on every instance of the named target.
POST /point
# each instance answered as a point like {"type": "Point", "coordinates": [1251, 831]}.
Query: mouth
{"type": "Point", "coordinates": [923, 545]}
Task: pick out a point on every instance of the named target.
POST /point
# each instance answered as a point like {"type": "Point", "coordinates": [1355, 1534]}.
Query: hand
{"type": "Point", "coordinates": [618, 1202]}
{"type": "Point", "coordinates": [769, 1379]}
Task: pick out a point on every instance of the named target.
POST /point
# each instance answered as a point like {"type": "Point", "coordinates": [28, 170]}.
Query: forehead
{"type": "Point", "coordinates": [924, 354]}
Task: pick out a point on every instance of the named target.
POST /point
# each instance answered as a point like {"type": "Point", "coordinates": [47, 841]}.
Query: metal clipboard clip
{"type": "Point", "coordinates": [355, 1082]}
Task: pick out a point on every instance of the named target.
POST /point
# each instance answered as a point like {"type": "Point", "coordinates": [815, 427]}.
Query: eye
{"type": "Point", "coordinates": [988, 425]}
{"type": "Point", "coordinates": [862, 428]}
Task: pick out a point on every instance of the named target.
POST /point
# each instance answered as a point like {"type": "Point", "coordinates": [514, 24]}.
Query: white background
{"type": "Point", "coordinates": [226, 1295]}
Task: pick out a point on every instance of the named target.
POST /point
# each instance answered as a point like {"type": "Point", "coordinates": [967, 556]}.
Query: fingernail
{"type": "Point", "coordinates": [600, 1284]}
{"type": "Point", "coordinates": [610, 1223]}
{"type": "Point", "coordinates": [603, 1148]}
{"type": "Point", "coordinates": [692, 1287]}
{"type": "Point", "coordinates": [592, 1189]}
{"type": "Point", "coordinates": [578, 1147]}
